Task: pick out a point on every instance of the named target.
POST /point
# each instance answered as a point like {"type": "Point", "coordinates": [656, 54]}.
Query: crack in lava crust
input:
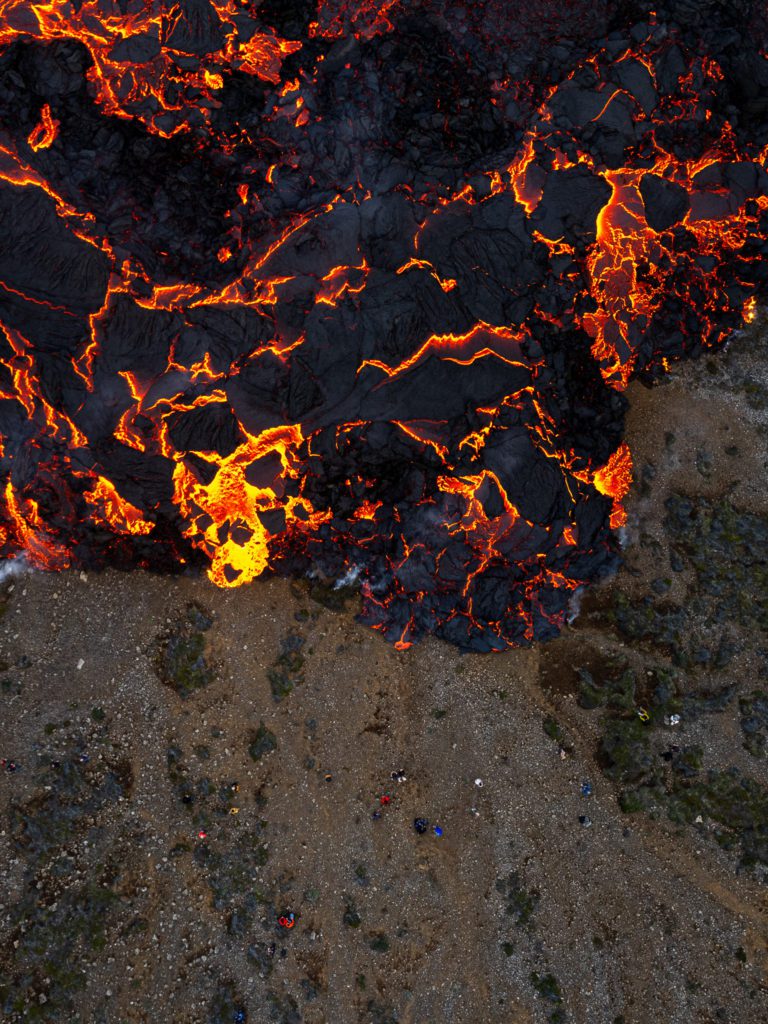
{"type": "Point", "coordinates": [356, 289]}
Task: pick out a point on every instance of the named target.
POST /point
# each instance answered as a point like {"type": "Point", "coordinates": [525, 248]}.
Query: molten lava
{"type": "Point", "coordinates": [355, 289]}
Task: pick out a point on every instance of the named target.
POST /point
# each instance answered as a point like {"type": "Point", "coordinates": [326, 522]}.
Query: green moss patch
{"type": "Point", "coordinates": [263, 741]}
{"type": "Point", "coordinates": [180, 655]}
{"type": "Point", "coordinates": [640, 751]}
{"type": "Point", "coordinates": [734, 805]}
{"type": "Point", "coordinates": [548, 988]}
{"type": "Point", "coordinates": [67, 906]}
{"type": "Point", "coordinates": [520, 902]}
{"type": "Point", "coordinates": [753, 715]}
{"type": "Point", "coordinates": [226, 1006]}
{"type": "Point", "coordinates": [287, 671]}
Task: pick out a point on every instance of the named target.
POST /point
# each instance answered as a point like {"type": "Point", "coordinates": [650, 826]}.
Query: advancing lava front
{"type": "Point", "coordinates": [355, 288]}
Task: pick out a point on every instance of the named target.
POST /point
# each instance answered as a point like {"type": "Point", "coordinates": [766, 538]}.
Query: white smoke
{"type": "Point", "coordinates": [14, 567]}
{"type": "Point", "coordinates": [574, 605]}
{"type": "Point", "coordinates": [348, 579]}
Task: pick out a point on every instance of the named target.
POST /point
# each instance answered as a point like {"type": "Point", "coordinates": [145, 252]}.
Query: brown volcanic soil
{"type": "Point", "coordinates": [114, 910]}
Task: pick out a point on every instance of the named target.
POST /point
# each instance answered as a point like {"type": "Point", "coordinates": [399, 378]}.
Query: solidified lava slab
{"type": "Point", "coordinates": [355, 289]}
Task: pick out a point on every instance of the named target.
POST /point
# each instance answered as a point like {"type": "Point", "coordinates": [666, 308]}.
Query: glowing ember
{"type": "Point", "coordinates": [615, 479]}
{"type": "Point", "coordinates": [43, 135]}
{"type": "Point", "coordinates": [356, 288]}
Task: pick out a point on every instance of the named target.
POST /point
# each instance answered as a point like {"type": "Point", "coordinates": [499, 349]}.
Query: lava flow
{"type": "Point", "coordinates": [355, 289]}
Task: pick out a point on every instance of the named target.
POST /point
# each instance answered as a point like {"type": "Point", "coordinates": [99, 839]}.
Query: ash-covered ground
{"type": "Point", "coordinates": [184, 766]}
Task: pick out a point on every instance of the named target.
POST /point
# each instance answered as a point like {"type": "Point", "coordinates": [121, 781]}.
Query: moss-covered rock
{"type": "Point", "coordinates": [555, 731]}
{"type": "Point", "coordinates": [722, 552]}
{"type": "Point", "coordinates": [330, 596]}
{"type": "Point", "coordinates": [351, 917]}
{"type": "Point", "coordinates": [737, 806]}
{"type": "Point", "coordinates": [263, 741]}
{"type": "Point", "coordinates": [616, 690]}
{"type": "Point", "coordinates": [180, 654]}
{"type": "Point", "coordinates": [226, 1007]}
{"type": "Point", "coordinates": [66, 906]}
{"type": "Point", "coordinates": [287, 671]}
{"type": "Point", "coordinates": [727, 550]}
{"type": "Point", "coordinates": [753, 712]}
{"type": "Point", "coordinates": [654, 775]}
{"type": "Point", "coordinates": [548, 988]}
{"type": "Point", "coordinates": [687, 762]}
{"type": "Point", "coordinates": [230, 868]}
{"type": "Point", "coordinates": [625, 751]}
{"type": "Point", "coordinates": [520, 902]}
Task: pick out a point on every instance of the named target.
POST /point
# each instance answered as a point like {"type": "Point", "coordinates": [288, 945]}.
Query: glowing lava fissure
{"type": "Point", "coordinates": [353, 288]}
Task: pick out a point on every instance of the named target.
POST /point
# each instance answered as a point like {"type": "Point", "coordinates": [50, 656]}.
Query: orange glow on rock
{"type": "Point", "coordinates": [615, 480]}
{"type": "Point", "coordinates": [330, 296]}
{"type": "Point", "coordinates": [223, 515]}
{"type": "Point", "coordinates": [110, 509]}
{"type": "Point", "coordinates": [43, 135]}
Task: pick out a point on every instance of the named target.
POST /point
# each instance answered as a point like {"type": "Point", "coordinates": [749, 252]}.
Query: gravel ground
{"type": "Point", "coordinates": [186, 766]}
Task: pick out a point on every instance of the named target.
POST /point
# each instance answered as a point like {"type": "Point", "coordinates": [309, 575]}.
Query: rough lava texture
{"type": "Point", "coordinates": [355, 289]}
